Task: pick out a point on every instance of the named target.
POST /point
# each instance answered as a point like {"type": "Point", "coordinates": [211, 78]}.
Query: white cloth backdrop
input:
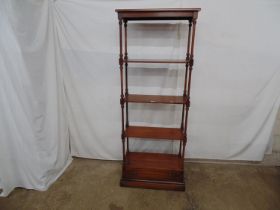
{"type": "Point", "coordinates": [59, 72]}
{"type": "Point", "coordinates": [34, 137]}
{"type": "Point", "coordinates": [236, 79]}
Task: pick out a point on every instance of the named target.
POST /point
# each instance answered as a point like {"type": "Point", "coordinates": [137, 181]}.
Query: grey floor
{"type": "Point", "coordinates": [93, 184]}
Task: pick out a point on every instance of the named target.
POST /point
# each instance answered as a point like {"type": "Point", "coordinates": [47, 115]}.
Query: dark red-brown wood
{"type": "Point", "coordinates": [155, 61]}
{"type": "Point", "coordinates": [157, 99]}
{"type": "Point", "coordinates": [154, 132]}
{"type": "Point", "coordinates": [158, 14]}
{"type": "Point", "coordinates": [153, 170]}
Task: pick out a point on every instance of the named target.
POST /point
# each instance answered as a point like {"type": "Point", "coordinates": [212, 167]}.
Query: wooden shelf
{"type": "Point", "coordinates": [153, 170]}
{"type": "Point", "coordinates": [154, 133]}
{"type": "Point", "coordinates": [154, 160]}
{"type": "Point", "coordinates": [158, 14]}
{"type": "Point", "coordinates": [161, 171]}
{"type": "Point", "coordinates": [159, 99]}
{"type": "Point", "coordinates": [182, 61]}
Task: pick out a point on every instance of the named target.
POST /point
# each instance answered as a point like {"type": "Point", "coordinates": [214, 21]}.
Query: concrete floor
{"type": "Point", "coordinates": [92, 184]}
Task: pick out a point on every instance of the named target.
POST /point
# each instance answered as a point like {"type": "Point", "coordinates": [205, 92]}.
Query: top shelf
{"type": "Point", "coordinates": [184, 61]}
{"type": "Point", "coordinates": [158, 14]}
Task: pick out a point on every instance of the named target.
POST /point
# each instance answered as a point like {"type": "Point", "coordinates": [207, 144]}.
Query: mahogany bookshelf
{"type": "Point", "coordinates": [155, 170]}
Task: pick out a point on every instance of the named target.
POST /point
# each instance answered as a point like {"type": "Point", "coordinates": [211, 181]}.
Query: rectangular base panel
{"type": "Point", "coordinates": [153, 171]}
{"type": "Point", "coordinates": [152, 184]}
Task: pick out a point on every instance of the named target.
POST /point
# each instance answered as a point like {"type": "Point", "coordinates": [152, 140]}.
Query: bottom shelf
{"type": "Point", "coordinates": [153, 171]}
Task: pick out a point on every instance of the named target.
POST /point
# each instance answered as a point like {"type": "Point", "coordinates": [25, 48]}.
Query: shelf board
{"type": "Point", "coordinates": [154, 161]}
{"type": "Point", "coordinates": [154, 132]}
{"type": "Point", "coordinates": [160, 99]}
{"type": "Point", "coordinates": [153, 170]}
{"type": "Point", "coordinates": [178, 61]}
{"type": "Point", "coordinates": [158, 14]}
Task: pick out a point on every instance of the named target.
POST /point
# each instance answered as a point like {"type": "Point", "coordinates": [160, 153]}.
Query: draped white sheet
{"type": "Point", "coordinates": [236, 78]}
{"type": "Point", "coordinates": [34, 137]}
{"type": "Point", "coordinates": [59, 74]}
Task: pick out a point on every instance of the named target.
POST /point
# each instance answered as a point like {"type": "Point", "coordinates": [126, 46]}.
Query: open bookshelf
{"type": "Point", "coordinates": [155, 170]}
